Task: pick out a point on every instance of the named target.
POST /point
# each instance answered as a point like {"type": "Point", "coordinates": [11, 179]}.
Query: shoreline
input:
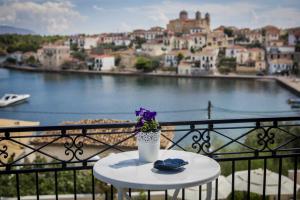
{"type": "Point", "coordinates": [288, 83]}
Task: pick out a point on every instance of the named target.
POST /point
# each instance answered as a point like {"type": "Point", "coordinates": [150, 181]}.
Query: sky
{"type": "Point", "coordinates": [98, 16]}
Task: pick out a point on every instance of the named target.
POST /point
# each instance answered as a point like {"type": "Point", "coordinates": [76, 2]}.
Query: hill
{"type": "Point", "coordinates": [14, 30]}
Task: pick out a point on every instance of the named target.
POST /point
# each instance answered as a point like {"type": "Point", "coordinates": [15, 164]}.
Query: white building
{"type": "Point", "coordinates": [90, 42]}
{"type": "Point", "coordinates": [280, 65]}
{"type": "Point", "coordinates": [17, 56]}
{"type": "Point", "coordinates": [205, 59]}
{"type": "Point", "coordinates": [103, 62]}
{"type": "Point", "coordinates": [171, 59]}
{"type": "Point", "coordinates": [77, 40]}
{"type": "Point", "coordinates": [238, 52]}
{"type": "Point", "coordinates": [294, 37]}
{"type": "Point", "coordinates": [125, 41]}
{"type": "Point", "coordinates": [185, 68]}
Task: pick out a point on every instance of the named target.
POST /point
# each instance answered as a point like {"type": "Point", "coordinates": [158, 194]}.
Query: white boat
{"type": "Point", "coordinates": [9, 99]}
{"type": "Point", "coordinates": [294, 101]}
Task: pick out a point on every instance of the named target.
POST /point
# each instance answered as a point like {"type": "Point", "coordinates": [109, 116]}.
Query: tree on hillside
{"type": "Point", "coordinates": [146, 64]}
{"type": "Point", "coordinates": [228, 32]}
{"type": "Point", "coordinates": [139, 41]}
{"type": "Point", "coordinates": [79, 55]}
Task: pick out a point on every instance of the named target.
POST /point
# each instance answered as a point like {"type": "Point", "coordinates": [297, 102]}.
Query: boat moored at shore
{"type": "Point", "coordinates": [9, 99]}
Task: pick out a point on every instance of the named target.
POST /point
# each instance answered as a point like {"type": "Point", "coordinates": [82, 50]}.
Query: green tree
{"type": "Point", "coordinates": [146, 64]}
{"type": "Point", "coordinates": [74, 47]}
{"type": "Point", "coordinates": [180, 56]}
{"type": "Point", "coordinates": [79, 55]}
{"type": "Point", "coordinates": [139, 41]}
{"type": "Point", "coordinates": [118, 60]}
{"type": "Point", "coordinates": [228, 32]}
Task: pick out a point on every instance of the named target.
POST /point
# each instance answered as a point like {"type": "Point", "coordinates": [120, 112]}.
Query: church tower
{"type": "Point", "coordinates": [198, 15]}
{"type": "Point", "coordinates": [207, 18]}
{"type": "Point", "coordinates": [183, 15]}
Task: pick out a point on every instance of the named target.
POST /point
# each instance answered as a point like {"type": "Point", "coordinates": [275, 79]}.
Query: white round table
{"type": "Point", "coordinates": [124, 170]}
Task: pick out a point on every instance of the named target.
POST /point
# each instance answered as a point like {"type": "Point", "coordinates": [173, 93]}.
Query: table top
{"type": "Point", "coordinates": [124, 170]}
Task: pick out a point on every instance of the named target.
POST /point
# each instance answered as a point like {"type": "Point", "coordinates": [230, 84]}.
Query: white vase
{"type": "Point", "coordinates": [148, 146]}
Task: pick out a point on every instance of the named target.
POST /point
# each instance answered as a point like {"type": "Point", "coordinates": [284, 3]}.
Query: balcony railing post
{"type": "Point", "coordinates": [295, 177]}
{"type": "Point", "coordinates": [279, 179]}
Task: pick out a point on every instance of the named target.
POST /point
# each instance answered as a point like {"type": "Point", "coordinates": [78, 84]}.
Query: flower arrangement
{"type": "Point", "coordinates": [146, 121]}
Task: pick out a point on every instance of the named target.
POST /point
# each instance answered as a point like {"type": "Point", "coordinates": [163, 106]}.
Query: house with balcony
{"type": "Point", "coordinates": [205, 59]}
{"type": "Point", "coordinates": [254, 36]}
{"type": "Point", "coordinates": [103, 62]}
{"type": "Point", "coordinates": [271, 33]}
{"type": "Point", "coordinates": [171, 59]}
{"type": "Point", "coordinates": [53, 56]}
{"type": "Point", "coordinates": [280, 65]}
{"type": "Point", "coordinates": [199, 63]}
{"type": "Point", "coordinates": [247, 59]}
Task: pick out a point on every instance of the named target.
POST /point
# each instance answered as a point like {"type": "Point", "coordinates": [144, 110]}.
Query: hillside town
{"type": "Point", "coordinates": [187, 46]}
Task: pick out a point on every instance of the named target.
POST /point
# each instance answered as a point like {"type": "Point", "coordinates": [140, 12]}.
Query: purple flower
{"type": "Point", "coordinates": [148, 116]}
{"type": "Point", "coordinates": [145, 120]}
{"type": "Point", "coordinates": [140, 112]}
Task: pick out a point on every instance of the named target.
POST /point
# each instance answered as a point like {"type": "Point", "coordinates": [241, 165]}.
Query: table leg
{"type": "Point", "coordinates": [175, 194]}
{"type": "Point", "coordinates": [209, 191]}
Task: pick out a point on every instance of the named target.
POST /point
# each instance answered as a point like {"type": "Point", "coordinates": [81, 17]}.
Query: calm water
{"type": "Point", "coordinates": [116, 97]}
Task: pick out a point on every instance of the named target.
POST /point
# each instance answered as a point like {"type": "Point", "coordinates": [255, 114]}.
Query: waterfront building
{"type": "Point", "coordinates": [256, 59]}
{"type": "Point", "coordinates": [103, 62]}
{"type": "Point", "coordinates": [238, 52]}
{"type": "Point", "coordinates": [171, 59]}
{"type": "Point", "coordinates": [247, 59]}
{"type": "Point", "coordinates": [184, 24]}
{"type": "Point", "coordinates": [205, 59]}
{"type": "Point", "coordinates": [53, 56]}
{"type": "Point", "coordinates": [185, 68]}
{"type": "Point", "coordinates": [17, 56]}
{"type": "Point", "coordinates": [199, 63]}
{"type": "Point", "coordinates": [280, 65]}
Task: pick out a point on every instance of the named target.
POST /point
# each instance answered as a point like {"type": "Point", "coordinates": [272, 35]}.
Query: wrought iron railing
{"type": "Point", "coordinates": [56, 154]}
